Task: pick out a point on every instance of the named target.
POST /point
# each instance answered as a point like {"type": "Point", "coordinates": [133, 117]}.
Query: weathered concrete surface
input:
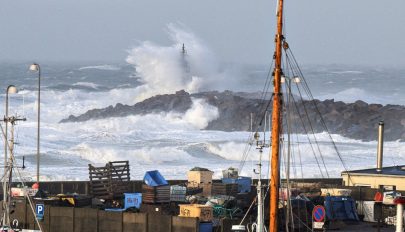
{"type": "Point", "coordinates": [181, 224]}
{"type": "Point", "coordinates": [135, 222]}
{"type": "Point", "coordinates": [62, 219]}
{"type": "Point", "coordinates": [160, 223]}
{"type": "Point", "coordinates": [86, 220]}
{"type": "Point", "coordinates": [109, 221]}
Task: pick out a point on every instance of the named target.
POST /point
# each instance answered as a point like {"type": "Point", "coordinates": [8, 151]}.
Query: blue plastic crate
{"type": "Point", "coordinates": [205, 227]}
{"type": "Point", "coordinates": [154, 178]}
{"type": "Point", "coordinates": [244, 183]}
{"type": "Point", "coordinates": [131, 200]}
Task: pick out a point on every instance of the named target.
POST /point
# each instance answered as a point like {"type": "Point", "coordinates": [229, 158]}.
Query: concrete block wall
{"type": "Point", "coordinates": [69, 219]}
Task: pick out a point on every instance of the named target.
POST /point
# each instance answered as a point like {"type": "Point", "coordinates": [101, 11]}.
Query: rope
{"type": "Point", "coordinates": [321, 118]}
{"type": "Point", "coordinates": [312, 129]}
{"type": "Point", "coordinates": [261, 114]}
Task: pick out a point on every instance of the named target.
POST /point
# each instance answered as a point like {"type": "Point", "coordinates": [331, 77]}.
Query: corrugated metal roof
{"type": "Point", "coordinates": [392, 171]}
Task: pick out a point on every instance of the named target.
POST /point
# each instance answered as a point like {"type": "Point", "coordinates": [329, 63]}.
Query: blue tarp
{"type": "Point", "coordinates": [340, 208]}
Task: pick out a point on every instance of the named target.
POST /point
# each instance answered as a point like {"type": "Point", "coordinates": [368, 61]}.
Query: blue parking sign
{"type": "Point", "coordinates": [40, 209]}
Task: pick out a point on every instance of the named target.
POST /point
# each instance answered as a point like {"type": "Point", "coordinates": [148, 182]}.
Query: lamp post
{"type": "Point", "coordinates": [10, 90]}
{"type": "Point", "coordinates": [36, 68]}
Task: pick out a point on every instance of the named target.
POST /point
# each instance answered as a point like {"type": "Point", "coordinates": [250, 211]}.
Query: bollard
{"type": "Point", "coordinates": [400, 201]}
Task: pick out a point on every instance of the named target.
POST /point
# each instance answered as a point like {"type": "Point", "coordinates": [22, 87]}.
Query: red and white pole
{"type": "Point", "coordinates": [400, 201]}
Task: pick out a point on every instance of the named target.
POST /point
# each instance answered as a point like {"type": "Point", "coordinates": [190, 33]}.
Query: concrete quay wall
{"type": "Point", "coordinates": [70, 219]}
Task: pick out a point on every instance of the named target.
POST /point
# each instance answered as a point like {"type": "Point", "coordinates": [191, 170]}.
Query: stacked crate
{"type": "Point", "coordinates": [156, 189]}
{"type": "Point", "coordinates": [225, 189]}
{"type": "Point", "coordinates": [200, 178]}
{"type": "Point", "coordinates": [244, 183]}
{"type": "Point", "coordinates": [203, 212]}
{"type": "Point", "coordinates": [178, 193]}
{"type": "Point", "coordinates": [155, 194]}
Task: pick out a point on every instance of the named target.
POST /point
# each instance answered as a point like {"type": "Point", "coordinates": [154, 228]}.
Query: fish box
{"type": "Point", "coordinates": [132, 200]}
{"type": "Point", "coordinates": [224, 189]}
{"type": "Point", "coordinates": [203, 212]}
{"type": "Point", "coordinates": [244, 183]}
{"type": "Point", "coordinates": [199, 177]}
{"type": "Point", "coordinates": [154, 178]}
{"type": "Point", "coordinates": [178, 193]}
{"type": "Point", "coordinates": [158, 194]}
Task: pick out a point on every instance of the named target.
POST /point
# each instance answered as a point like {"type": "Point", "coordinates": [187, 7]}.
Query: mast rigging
{"type": "Point", "coordinates": [276, 123]}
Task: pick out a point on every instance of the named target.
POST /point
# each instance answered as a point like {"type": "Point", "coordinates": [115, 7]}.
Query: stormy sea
{"type": "Point", "coordinates": [173, 142]}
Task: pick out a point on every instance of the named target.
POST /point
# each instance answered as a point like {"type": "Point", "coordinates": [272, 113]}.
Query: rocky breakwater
{"type": "Point", "coordinates": [358, 120]}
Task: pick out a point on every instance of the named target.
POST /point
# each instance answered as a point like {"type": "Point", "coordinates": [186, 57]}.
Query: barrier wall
{"type": "Point", "coordinates": [69, 219]}
{"type": "Point", "coordinates": [85, 220]}
{"type": "Point", "coordinates": [135, 222]}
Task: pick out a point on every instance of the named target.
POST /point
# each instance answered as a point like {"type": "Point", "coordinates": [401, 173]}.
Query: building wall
{"type": "Point", "coordinates": [374, 181]}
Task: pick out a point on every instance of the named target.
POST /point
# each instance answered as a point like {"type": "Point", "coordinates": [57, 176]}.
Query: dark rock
{"type": "Point", "coordinates": [356, 120]}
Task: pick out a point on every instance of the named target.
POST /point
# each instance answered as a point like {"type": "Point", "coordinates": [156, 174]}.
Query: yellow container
{"type": "Point", "coordinates": [203, 212]}
{"type": "Point", "coordinates": [199, 177]}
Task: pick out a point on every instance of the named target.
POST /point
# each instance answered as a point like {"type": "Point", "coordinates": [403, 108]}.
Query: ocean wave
{"type": "Point", "coordinates": [90, 85]}
{"type": "Point", "coordinates": [106, 67]}
{"type": "Point", "coordinates": [351, 95]}
{"type": "Point", "coordinates": [165, 69]}
{"type": "Point", "coordinates": [347, 72]}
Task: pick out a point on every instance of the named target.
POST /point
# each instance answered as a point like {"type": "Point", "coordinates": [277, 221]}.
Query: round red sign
{"type": "Point", "coordinates": [318, 214]}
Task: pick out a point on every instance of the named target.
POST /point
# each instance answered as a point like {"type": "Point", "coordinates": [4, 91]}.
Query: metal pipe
{"type": "Point", "coordinates": [380, 146]}
{"type": "Point", "coordinates": [260, 219]}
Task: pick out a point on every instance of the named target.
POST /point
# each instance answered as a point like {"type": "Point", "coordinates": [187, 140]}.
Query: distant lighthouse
{"type": "Point", "coordinates": [184, 62]}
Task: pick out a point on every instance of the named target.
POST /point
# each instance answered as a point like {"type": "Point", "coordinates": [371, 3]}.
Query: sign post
{"type": "Point", "coordinates": [40, 210]}
{"type": "Point", "coordinates": [318, 217]}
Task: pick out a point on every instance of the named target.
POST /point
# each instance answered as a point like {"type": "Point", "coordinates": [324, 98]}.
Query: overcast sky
{"type": "Point", "coordinates": [367, 32]}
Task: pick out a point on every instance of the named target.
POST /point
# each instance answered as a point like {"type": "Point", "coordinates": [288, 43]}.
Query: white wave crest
{"type": "Point", "coordinates": [234, 151]}
{"type": "Point", "coordinates": [201, 113]}
{"type": "Point", "coordinates": [147, 155]}
{"type": "Point", "coordinates": [165, 69]}
{"type": "Point", "coordinates": [107, 67]}
{"type": "Point", "coordinates": [87, 84]}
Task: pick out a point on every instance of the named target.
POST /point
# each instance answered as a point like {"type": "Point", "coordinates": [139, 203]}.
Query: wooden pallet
{"type": "Point", "coordinates": [110, 181]}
